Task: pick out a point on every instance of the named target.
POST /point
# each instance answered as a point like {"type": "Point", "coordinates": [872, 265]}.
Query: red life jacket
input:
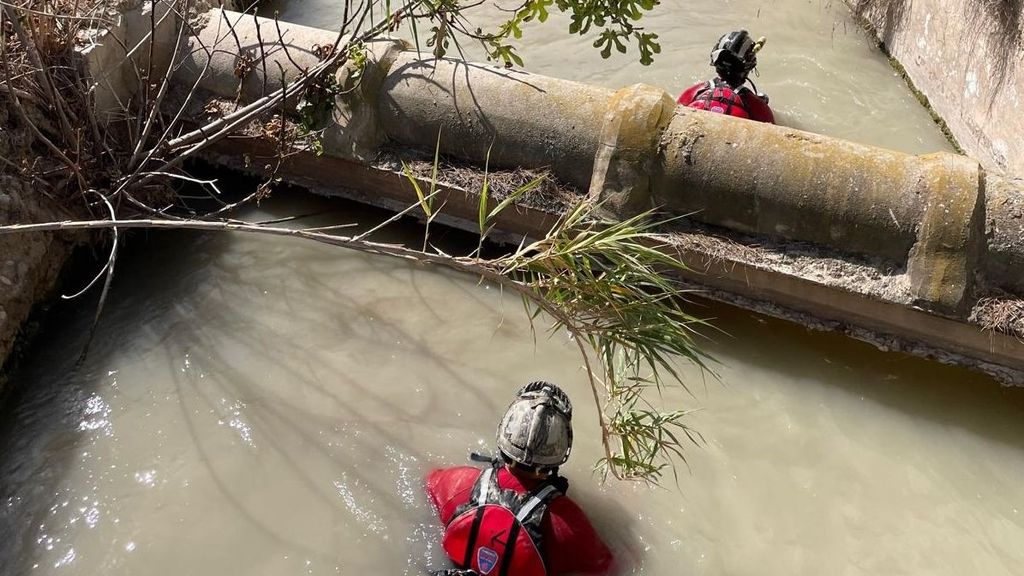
{"type": "Point", "coordinates": [498, 531]}
{"type": "Point", "coordinates": [719, 97]}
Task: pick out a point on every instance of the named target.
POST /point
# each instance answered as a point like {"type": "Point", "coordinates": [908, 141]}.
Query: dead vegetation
{"type": "Point", "coordinates": [1000, 313]}
{"type": "Point", "coordinates": [548, 195]}
{"type": "Point", "coordinates": [131, 162]}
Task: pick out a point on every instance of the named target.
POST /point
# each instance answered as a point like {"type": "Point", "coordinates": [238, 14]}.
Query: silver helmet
{"type": "Point", "coordinates": [536, 430]}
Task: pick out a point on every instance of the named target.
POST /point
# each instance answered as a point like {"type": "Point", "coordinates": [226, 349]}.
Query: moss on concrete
{"type": "Point", "coordinates": [922, 98]}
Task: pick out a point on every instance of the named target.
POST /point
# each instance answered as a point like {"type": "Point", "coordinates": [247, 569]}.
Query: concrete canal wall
{"type": "Point", "coordinates": [29, 264]}
{"type": "Point", "coordinates": [967, 57]}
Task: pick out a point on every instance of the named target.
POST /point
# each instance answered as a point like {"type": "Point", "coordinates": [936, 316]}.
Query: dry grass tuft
{"type": "Point", "coordinates": [1002, 313]}
{"type": "Point", "coordinates": [550, 195]}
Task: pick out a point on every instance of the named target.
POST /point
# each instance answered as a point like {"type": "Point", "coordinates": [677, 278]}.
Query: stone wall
{"type": "Point", "coordinates": [29, 263]}
{"type": "Point", "coordinates": [967, 57]}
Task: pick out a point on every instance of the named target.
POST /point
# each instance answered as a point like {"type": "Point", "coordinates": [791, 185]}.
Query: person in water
{"type": "Point", "coordinates": [734, 57]}
{"type": "Point", "coordinates": [512, 518]}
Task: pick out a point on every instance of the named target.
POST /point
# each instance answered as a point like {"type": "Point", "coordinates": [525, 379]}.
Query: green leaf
{"type": "Point", "coordinates": [422, 199]}
{"type": "Point", "coordinates": [515, 195]}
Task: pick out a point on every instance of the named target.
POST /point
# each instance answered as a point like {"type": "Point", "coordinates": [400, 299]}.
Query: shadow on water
{"type": "Point", "coordinates": [154, 294]}
{"type": "Point", "coordinates": [921, 389]}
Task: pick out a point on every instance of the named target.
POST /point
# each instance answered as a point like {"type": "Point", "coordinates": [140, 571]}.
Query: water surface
{"type": "Point", "coordinates": [266, 406]}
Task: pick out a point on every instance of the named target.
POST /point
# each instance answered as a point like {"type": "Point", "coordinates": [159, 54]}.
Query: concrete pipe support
{"type": "Point", "coordinates": [1004, 232]}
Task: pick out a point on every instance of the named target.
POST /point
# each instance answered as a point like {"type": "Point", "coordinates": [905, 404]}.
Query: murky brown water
{"type": "Point", "coordinates": [267, 406]}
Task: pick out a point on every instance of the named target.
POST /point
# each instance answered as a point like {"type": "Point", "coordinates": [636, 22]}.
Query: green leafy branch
{"type": "Point", "coordinates": [608, 284]}
{"type": "Point", "coordinates": [613, 21]}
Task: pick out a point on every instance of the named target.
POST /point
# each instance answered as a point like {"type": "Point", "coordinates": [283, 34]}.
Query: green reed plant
{"type": "Point", "coordinates": [612, 286]}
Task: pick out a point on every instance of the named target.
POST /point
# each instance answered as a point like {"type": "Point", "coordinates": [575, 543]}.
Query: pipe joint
{"type": "Point", "coordinates": [628, 148]}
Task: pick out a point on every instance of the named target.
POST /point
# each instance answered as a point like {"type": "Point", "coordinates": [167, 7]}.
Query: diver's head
{"type": "Point", "coordinates": [734, 56]}
{"type": "Point", "coordinates": [535, 434]}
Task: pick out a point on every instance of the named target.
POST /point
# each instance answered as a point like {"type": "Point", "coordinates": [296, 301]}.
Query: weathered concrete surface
{"type": "Point", "coordinates": [239, 56]}
{"type": "Point", "coordinates": [242, 57]}
{"type": "Point", "coordinates": [520, 119]}
{"type": "Point", "coordinates": [967, 57]}
{"type": "Point", "coordinates": [778, 181]}
{"type": "Point", "coordinates": [950, 238]}
{"type": "Point", "coordinates": [118, 56]}
{"type": "Point", "coordinates": [1004, 230]}
{"type": "Point", "coordinates": [634, 121]}
{"type": "Point", "coordinates": [356, 131]}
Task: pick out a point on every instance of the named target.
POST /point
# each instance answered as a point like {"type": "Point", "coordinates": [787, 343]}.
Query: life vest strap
{"type": "Point", "coordinates": [506, 560]}
{"type": "Point", "coordinates": [535, 500]}
{"type": "Point", "coordinates": [485, 485]}
{"type": "Point", "coordinates": [478, 517]}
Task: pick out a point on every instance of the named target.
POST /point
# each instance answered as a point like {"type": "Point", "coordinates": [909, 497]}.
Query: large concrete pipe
{"type": "Point", "coordinates": [926, 211]}
{"type": "Point", "coordinates": [777, 181]}
{"type": "Point", "coordinates": [243, 57]}
{"type": "Point", "coordinates": [521, 119]}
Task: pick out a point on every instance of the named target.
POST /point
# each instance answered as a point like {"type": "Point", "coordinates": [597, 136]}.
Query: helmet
{"type": "Point", "coordinates": [536, 430]}
{"type": "Point", "coordinates": [734, 54]}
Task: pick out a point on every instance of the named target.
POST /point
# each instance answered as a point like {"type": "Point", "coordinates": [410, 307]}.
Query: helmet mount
{"type": "Point", "coordinates": [535, 433]}
{"type": "Point", "coordinates": [734, 56]}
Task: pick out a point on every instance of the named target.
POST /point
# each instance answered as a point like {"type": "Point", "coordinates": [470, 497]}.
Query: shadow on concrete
{"type": "Point", "coordinates": [1007, 39]}
{"type": "Point", "coordinates": [894, 11]}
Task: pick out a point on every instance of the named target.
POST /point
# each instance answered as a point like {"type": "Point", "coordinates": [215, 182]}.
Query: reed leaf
{"type": "Point", "coordinates": [611, 286]}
